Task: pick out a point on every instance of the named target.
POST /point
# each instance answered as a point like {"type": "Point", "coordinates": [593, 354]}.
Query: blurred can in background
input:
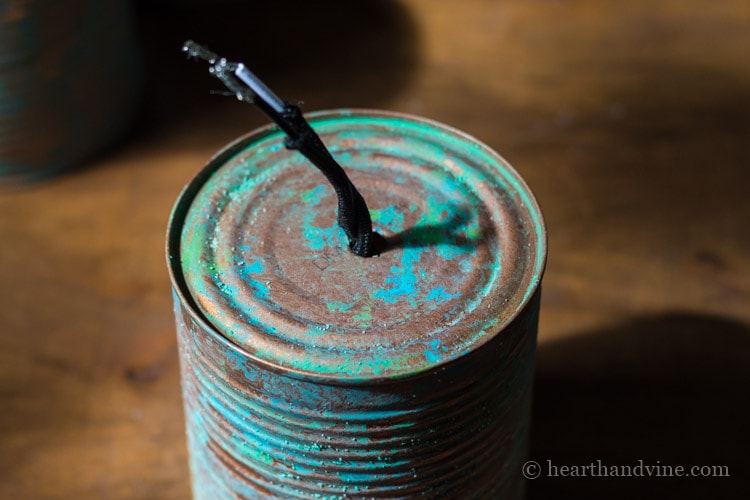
{"type": "Point", "coordinates": [309, 372]}
{"type": "Point", "coordinates": [69, 79]}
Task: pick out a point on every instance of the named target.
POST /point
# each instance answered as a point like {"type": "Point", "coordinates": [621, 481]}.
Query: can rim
{"type": "Point", "coordinates": [216, 161]}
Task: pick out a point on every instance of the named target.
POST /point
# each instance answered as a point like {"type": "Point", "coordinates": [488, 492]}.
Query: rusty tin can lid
{"type": "Point", "coordinates": [266, 264]}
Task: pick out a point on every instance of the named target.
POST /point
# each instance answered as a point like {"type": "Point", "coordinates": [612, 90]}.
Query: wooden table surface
{"type": "Point", "coordinates": [629, 120]}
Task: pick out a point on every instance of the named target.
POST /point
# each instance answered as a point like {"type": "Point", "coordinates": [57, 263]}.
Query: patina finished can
{"type": "Point", "coordinates": [309, 372]}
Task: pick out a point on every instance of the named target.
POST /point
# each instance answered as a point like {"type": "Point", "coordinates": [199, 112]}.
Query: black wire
{"type": "Point", "coordinates": [353, 215]}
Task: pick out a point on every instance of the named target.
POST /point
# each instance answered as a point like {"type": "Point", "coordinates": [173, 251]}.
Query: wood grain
{"type": "Point", "coordinates": [629, 120]}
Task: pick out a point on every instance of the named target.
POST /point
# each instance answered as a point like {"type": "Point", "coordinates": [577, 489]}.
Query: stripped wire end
{"type": "Point", "coordinates": [197, 51]}
{"type": "Point", "coordinates": [220, 68]}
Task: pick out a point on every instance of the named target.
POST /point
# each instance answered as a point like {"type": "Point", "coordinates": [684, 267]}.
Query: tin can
{"type": "Point", "coordinates": [309, 372]}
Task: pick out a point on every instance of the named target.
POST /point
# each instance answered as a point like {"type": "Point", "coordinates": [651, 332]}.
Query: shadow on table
{"type": "Point", "coordinates": [668, 390]}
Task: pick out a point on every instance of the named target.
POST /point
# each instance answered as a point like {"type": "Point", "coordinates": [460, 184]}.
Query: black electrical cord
{"type": "Point", "coordinates": [353, 215]}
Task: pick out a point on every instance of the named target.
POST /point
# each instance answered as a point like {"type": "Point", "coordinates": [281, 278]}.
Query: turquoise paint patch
{"type": "Point", "coordinates": [240, 363]}
{"type": "Point", "coordinates": [432, 354]}
{"type": "Point", "coordinates": [247, 271]}
{"type": "Point", "coordinates": [255, 268]}
{"type": "Point", "coordinates": [438, 295]}
{"type": "Point", "coordinates": [252, 451]}
{"type": "Point", "coordinates": [312, 196]}
{"type": "Point", "coordinates": [336, 306]}
{"type": "Point", "coordinates": [225, 289]}
{"type": "Point", "coordinates": [450, 252]}
{"type": "Point", "coordinates": [364, 317]}
{"type": "Point", "coordinates": [319, 238]}
{"type": "Point", "coordinates": [403, 280]}
{"type": "Point", "coordinates": [389, 218]}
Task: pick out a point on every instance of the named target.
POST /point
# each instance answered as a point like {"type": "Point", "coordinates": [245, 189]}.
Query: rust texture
{"type": "Point", "coordinates": [309, 372]}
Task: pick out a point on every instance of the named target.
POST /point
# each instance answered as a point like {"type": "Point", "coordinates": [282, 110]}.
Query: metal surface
{"type": "Point", "coordinates": [310, 372]}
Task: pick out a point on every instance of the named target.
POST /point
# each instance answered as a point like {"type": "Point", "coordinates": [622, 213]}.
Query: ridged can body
{"type": "Point", "coordinates": [311, 373]}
